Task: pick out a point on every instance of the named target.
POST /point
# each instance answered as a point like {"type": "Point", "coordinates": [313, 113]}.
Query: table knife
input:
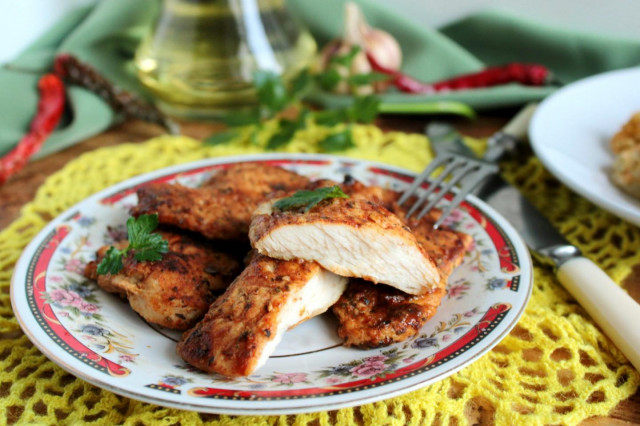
{"type": "Point", "coordinates": [611, 308]}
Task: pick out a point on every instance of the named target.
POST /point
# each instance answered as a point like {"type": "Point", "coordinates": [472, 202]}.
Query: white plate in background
{"type": "Point", "coordinates": [570, 133]}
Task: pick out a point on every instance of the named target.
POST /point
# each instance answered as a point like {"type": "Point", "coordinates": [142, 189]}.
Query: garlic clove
{"type": "Point", "coordinates": [384, 48]}
{"type": "Point", "coordinates": [378, 43]}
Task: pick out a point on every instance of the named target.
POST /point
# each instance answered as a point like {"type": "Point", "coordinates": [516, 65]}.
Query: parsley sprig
{"type": "Point", "coordinates": [309, 199]}
{"type": "Point", "coordinates": [144, 244]}
{"type": "Point", "coordinates": [339, 65]}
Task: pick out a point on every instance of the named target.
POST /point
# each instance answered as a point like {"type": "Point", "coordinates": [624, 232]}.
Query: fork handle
{"type": "Point", "coordinates": [610, 306]}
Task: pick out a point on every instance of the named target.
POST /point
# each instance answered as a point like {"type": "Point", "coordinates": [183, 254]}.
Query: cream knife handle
{"type": "Point", "coordinates": [609, 306]}
{"type": "Point", "coordinates": [512, 134]}
{"type": "Point", "coordinates": [518, 126]}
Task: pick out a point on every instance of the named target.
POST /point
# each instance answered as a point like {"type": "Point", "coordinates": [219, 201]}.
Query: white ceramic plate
{"type": "Point", "coordinates": [570, 133]}
{"type": "Point", "coordinates": [97, 337]}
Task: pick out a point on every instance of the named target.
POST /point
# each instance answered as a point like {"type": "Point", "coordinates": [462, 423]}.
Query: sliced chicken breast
{"type": "Point", "coordinates": [446, 246]}
{"type": "Point", "coordinates": [373, 315]}
{"type": "Point", "coordinates": [243, 326]}
{"type": "Point", "coordinates": [351, 237]}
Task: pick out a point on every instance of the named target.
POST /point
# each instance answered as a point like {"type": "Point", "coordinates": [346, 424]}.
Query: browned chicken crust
{"type": "Point", "coordinates": [222, 207]}
{"type": "Point", "coordinates": [234, 334]}
{"type": "Point", "coordinates": [174, 292]}
{"type": "Point", "coordinates": [372, 316]}
{"type": "Point", "coordinates": [257, 179]}
{"type": "Point", "coordinates": [376, 315]}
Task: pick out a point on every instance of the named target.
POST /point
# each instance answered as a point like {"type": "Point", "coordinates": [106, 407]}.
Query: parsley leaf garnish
{"type": "Point", "coordinates": [329, 79]}
{"type": "Point", "coordinates": [111, 263]}
{"type": "Point", "coordinates": [144, 244]}
{"type": "Point", "coordinates": [347, 58]}
{"type": "Point", "coordinates": [222, 137]}
{"type": "Point", "coordinates": [308, 199]}
{"type": "Point", "coordinates": [364, 109]}
{"type": "Point", "coordinates": [338, 141]}
{"type": "Point", "coordinates": [288, 128]}
{"type": "Point", "coordinates": [275, 96]}
{"type": "Point", "coordinates": [272, 93]}
{"type": "Point", "coordinates": [300, 85]}
{"type": "Point", "coordinates": [366, 79]}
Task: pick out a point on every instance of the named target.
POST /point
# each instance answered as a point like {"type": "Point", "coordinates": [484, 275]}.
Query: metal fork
{"type": "Point", "coordinates": [460, 165]}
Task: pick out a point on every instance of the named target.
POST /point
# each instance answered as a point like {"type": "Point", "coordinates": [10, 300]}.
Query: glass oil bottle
{"type": "Point", "coordinates": [199, 58]}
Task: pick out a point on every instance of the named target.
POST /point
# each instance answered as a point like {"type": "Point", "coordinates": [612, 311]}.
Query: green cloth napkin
{"type": "Point", "coordinates": [107, 34]}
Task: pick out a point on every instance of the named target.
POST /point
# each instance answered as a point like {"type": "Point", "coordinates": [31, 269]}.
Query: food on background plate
{"type": "Point", "coordinates": [352, 237]}
{"type": "Point", "coordinates": [221, 208]}
{"type": "Point", "coordinates": [628, 137]}
{"type": "Point", "coordinates": [244, 325]}
{"type": "Point", "coordinates": [625, 145]}
{"type": "Point", "coordinates": [176, 291]}
{"type": "Point", "coordinates": [350, 228]}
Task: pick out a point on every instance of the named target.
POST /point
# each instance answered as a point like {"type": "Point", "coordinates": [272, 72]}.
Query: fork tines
{"type": "Point", "coordinates": [467, 171]}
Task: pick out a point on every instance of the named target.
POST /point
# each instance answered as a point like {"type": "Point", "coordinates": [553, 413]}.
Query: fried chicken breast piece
{"type": "Point", "coordinates": [174, 292]}
{"type": "Point", "coordinates": [351, 237]}
{"type": "Point", "coordinates": [255, 179]}
{"type": "Point", "coordinates": [243, 326]}
{"type": "Point", "coordinates": [628, 137]}
{"type": "Point", "coordinates": [222, 207]}
{"type": "Point", "coordinates": [372, 316]}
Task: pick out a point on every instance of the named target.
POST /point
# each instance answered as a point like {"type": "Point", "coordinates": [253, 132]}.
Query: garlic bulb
{"type": "Point", "coordinates": [359, 65]}
{"type": "Point", "coordinates": [375, 42]}
{"type": "Point", "coordinates": [379, 44]}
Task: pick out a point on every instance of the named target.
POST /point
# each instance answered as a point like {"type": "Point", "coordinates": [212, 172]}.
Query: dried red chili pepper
{"type": "Point", "coordinates": [121, 101]}
{"type": "Point", "coordinates": [526, 74]}
{"type": "Point", "coordinates": [50, 108]}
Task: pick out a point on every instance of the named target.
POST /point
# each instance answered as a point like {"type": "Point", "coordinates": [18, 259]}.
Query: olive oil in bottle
{"type": "Point", "coordinates": [199, 59]}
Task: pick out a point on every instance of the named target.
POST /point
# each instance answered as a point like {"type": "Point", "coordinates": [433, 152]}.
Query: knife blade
{"type": "Point", "coordinates": [611, 308]}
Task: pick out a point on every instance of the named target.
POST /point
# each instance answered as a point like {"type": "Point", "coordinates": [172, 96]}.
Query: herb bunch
{"type": "Point", "coordinates": [274, 97]}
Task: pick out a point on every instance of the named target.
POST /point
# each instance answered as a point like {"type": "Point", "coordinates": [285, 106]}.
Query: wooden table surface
{"type": "Point", "coordinates": [21, 188]}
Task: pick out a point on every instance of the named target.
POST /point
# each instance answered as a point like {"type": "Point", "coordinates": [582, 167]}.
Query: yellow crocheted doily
{"type": "Point", "coordinates": [555, 367]}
